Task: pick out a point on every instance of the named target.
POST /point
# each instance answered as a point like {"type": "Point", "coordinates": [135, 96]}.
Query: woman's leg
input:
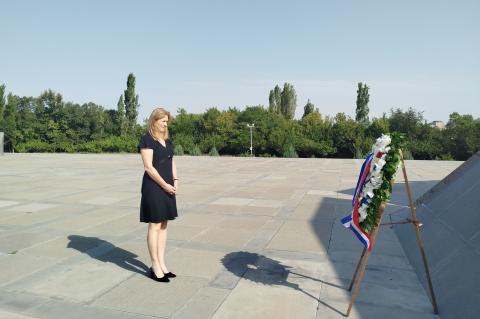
{"type": "Point", "coordinates": [161, 244]}
{"type": "Point", "coordinates": [152, 243]}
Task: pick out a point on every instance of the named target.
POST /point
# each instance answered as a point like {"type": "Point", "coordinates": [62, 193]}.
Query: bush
{"type": "Point", "coordinates": [64, 147]}
{"type": "Point", "coordinates": [185, 140]}
{"type": "Point", "coordinates": [213, 152]}
{"type": "Point", "coordinates": [178, 150]}
{"type": "Point", "coordinates": [195, 151]}
{"type": "Point", "coordinates": [89, 147]}
{"type": "Point", "coordinates": [446, 157]}
{"type": "Point", "coordinates": [290, 152]}
{"type": "Point", "coordinates": [115, 144]}
{"type": "Point", "coordinates": [309, 148]}
{"type": "Point", "coordinates": [110, 144]}
{"type": "Point", "coordinates": [359, 154]}
{"type": "Point", "coordinates": [407, 155]}
{"type": "Point", "coordinates": [34, 146]}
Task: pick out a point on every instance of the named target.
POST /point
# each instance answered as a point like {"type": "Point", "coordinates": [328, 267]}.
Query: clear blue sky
{"type": "Point", "coordinates": [199, 54]}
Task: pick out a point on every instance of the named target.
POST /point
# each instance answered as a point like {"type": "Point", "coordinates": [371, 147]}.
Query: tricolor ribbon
{"type": "Point", "coordinates": [352, 221]}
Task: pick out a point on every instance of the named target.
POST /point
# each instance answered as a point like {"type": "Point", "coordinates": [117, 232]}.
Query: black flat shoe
{"type": "Point", "coordinates": [154, 277]}
{"type": "Point", "coordinates": [170, 275]}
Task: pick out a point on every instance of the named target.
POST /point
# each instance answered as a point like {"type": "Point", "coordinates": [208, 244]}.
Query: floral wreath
{"type": "Point", "coordinates": [374, 186]}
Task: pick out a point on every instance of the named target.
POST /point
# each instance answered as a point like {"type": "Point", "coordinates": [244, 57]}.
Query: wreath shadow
{"type": "Point", "coordinates": [261, 269]}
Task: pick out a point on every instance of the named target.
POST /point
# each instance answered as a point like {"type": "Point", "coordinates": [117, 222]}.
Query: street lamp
{"type": "Point", "coordinates": [251, 126]}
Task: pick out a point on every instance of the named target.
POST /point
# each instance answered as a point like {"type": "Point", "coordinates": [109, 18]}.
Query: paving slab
{"type": "Point", "coordinates": [302, 236]}
{"type": "Point", "coordinates": [75, 283]}
{"type": "Point", "coordinates": [196, 263]}
{"type": "Point", "coordinates": [203, 304]}
{"type": "Point", "coordinates": [13, 241]}
{"type": "Point", "coordinates": [139, 294]}
{"type": "Point", "coordinates": [237, 238]}
{"type": "Point", "coordinates": [11, 315]}
{"type": "Point", "coordinates": [5, 203]}
{"type": "Point", "coordinates": [16, 266]}
{"type": "Point", "coordinates": [31, 207]}
{"type": "Point", "coordinates": [58, 248]}
{"type": "Point", "coordinates": [274, 289]}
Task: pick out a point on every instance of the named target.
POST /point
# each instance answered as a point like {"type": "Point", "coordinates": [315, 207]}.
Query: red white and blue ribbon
{"type": "Point", "coordinates": [352, 221]}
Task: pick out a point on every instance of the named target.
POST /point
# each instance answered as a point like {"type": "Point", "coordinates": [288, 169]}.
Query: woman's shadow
{"type": "Point", "coordinates": [267, 271]}
{"type": "Point", "coordinates": [107, 252]}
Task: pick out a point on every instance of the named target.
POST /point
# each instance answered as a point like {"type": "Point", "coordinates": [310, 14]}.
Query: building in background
{"type": "Point", "coordinates": [438, 124]}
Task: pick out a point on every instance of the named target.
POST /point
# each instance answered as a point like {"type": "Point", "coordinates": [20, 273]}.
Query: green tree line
{"type": "Point", "coordinates": [48, 124]}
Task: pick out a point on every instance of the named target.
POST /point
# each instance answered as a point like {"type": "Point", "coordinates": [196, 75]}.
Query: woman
{"type": "Point", "coordinates": [159, 186]}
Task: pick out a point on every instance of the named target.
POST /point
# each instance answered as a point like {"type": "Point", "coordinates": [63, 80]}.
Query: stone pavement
{"type": "Point", "coordinates": [255, 238]}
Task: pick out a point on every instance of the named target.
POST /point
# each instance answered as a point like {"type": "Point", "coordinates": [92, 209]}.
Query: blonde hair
{"type": "Point", "coordinates": [157, 114]}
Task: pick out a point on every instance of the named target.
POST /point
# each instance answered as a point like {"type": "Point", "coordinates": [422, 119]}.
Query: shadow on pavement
{"type": "Point", "coordinates": [107, 252]}
{"type": "Point", "coordinates": [267, 271]}
{"type": "Point", "coordinates": [343, 248]}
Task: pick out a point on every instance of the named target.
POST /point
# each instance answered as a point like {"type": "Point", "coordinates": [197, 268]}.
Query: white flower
{"type": "Point", "coordinates": [362, 210]}
{"type": "Point", "coordinates": [381, 162]}
{"type": "Point", "coordinates": [381, 145]}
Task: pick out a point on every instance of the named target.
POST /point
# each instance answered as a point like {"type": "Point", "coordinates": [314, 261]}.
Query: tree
{"type": "Point", "coordinates": [53, 132]}
{"type": "Point", "coordinates": [283, 101]}
{"type": "Point", "coordinates": [53, 103]}
{"type": "Point", "coordinates": [316, 136]}
{"type": "Point", "coordinates": [209, 120]}
{"type": "Point", "coordinates": [309, 108]}
{"type": "Point", "coordinates": [9, 122]}
{"type": "Point", "coordinates": [75, 117]}
{"type": "Point", "coordinates": [121, 120]}
{"type": "Point", "coordinates": [363, 97]}
{"type": "Point", "coordinates": [25, 119]}
{"type": "Point", "coordinates": [405, 122]}
{"type": "Point", "coordinates": [348, 137]}
{"type": "Point", "coordinates": [226, 129]}
{"type": "Point", "coordinates": [462, 136]}
{"type": "Point", "coordinates": [2, 104]}
{"type": "Point", "coordinates": [275, 100]}
{"type": "Point", "coordinates": [94, 120]}
{"type": "Point", "coordinates": [209, 125]}
{"type": "Point", "coordinates": [427, 143]}
{"type": "Point", "coordinates": [377, 127]}
{"type": "Point", "coordinates": [45, 123]}
{"type": "Point", "coordinates": [185, 130]}
{"type": "Point", "coordinates": [131, 104]}
{"type": "Point", "coordinates": [288, 102]}
{"type": "Point", "coordinates": [110, 123]}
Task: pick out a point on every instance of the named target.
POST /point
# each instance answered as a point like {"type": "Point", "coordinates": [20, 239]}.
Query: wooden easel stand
{"type": "Point", "coordinates": [362, 263]}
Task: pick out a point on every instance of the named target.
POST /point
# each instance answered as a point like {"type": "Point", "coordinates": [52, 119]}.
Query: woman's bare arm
{"type": "Point", "coordinates": [174, 174]}
{"type": "Point", "coordinates": [147, 158]}
{"type": "Point", "coordinates": [174, 169]}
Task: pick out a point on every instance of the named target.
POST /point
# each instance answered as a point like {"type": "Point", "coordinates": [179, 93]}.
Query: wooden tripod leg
{"type": "Point", "coordinates": [356, 269]}
{"type": "Point", "coordinates": [362, 266]}
{"type": "Point", "coordinates": [419, 238]}
{"type": "Point", "coordinates": [364, 261]}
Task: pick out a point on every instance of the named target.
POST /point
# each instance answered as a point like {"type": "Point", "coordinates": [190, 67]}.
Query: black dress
{"type": "Point", "coordinates": [157, 205]}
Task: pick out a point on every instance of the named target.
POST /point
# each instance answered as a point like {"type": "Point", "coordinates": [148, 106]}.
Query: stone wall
{"type": "Point", "coordinates": [450, 213]}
